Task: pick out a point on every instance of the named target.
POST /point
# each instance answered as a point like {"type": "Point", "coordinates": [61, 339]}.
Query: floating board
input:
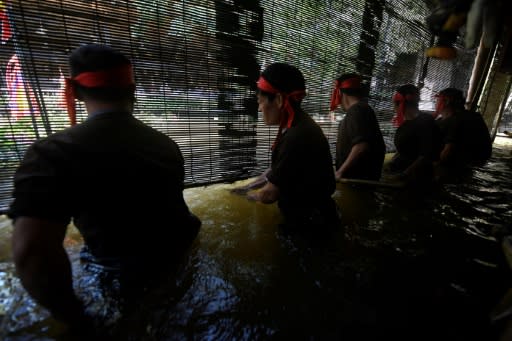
{"type": "Point", "coordinates": [372, 183]}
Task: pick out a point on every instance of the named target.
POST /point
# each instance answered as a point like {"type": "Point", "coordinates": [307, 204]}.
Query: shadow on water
{"type": "Point", "coordinates": [407, 265]}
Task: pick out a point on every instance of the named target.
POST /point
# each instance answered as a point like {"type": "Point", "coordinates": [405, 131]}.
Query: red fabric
{"type": "Point", "coordinates": [440, 105]}
{"type": "Point", "coordinates": [69, 94]}
{"type": "Point", "coordinates": [335, 97]}
{"type": "Point", "coordinates": [4, 22]}
{"type": "Point", "coordinates": [399, 117]}
{"type": "Point", "coordinates": [264, 85]}
{"type": "Point", "coordinates": [119, 77]}
{"type": "Point", "coordinates": [287, 109]}
{"type": "Point", "coordinates": [351, 83]}
{"type": "Point", "coordinates": [21, 99]}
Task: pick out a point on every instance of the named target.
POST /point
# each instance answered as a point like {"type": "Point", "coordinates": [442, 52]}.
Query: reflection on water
{"type": "Point", "coordinates": [411, 265]}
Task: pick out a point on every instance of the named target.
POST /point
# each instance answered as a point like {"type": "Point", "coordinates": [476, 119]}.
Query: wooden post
{"type": "Point", "coordinates": [495, 91]}
{"type": "Point", "coordinates": [482, 63]}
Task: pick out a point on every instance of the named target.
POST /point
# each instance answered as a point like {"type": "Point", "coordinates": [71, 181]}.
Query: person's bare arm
{"type": "Point", "coordinates": [446, 153]}
{"type": "Point", "coordinates": [44, 268]}
{"type": "Point", "coordinates": [354, 154]}
{"type": "Point", "coordinates": [412, 169]}
{"type": "Point", "coordinates": [259, 182]}
{"type": "Point", "coordinates": [267, 195]}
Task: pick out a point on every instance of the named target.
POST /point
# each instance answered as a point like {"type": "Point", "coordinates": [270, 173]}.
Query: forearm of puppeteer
{"type": "Point", "coordinates": [268, 194]}
{"type": "Point", "coordinates": [43, 266]}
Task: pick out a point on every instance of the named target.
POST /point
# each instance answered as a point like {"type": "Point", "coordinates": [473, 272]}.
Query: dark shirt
{"type": "Point", "coordinates": [302, 170]}
{"type": "Point", "coordinates": [360, 125]}
{"type": "Point", "coordinates": [470, 137]}
{"type": "Point", "coordinates": [120, 181]}
{"type": "Point", "coordinates": [414, 138]}
{"type": "Point", "coordinates": [449, 129]}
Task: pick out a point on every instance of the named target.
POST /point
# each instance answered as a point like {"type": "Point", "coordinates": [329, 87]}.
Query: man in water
{"type": "Point", "coordinates": [360, 146]}
{"type": "Point", "coordinates": [417, 138]}
{"type": "Point", "coordinates": [300, 178]}
{"type": "Point", "coordinates": [466, 137]}
{"type": "Point", "coordinates": [119, 180]}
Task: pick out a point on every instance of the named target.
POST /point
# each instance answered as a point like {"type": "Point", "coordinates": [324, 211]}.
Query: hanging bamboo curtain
{"type": "Point", "coordinates": [196, 63]}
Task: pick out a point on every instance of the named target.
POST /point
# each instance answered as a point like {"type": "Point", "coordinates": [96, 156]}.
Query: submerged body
{"type": "Point", "coordinates": [301, 178]}
{"type": "Point", "coordinates": [392, 272]}
{"type": "Point", "coordinates": [302, 169]}
{"type": "Point", "coordinates": [93, 173]}
{"type": "Point", "coordinates": [360, 146]}
{"type": "Point", "coordinates": [360, 126]}
{"type": "Point", "coordinates": [418, 137]}
{"type": "Point", "coordinates": [468, 137]}
{"type": "Point", "coordinates": [97, 171]}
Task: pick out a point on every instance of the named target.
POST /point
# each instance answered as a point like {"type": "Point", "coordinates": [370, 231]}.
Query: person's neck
{"type": "Point", "coordinates": [350, 101]}
{"type": "Point", "coordinates": [447, 113]}
{"type": "Point", "coordinates": [93, 107]}
{"type": "Point", "coordinates": [411, 113]}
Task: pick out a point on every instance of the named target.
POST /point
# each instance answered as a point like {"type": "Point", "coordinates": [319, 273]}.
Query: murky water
{"type": "Point", "coordinates": [406, 265]}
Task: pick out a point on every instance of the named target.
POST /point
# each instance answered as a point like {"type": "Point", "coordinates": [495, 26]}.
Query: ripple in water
{"type": "Point", "coordinates": [403, 263]}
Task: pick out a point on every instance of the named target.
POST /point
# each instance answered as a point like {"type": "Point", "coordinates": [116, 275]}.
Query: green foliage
{"type": "Point", "coordinates": [14, 137]}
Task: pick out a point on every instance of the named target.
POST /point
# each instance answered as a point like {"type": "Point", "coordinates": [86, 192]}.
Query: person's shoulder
{"type": "Point", "coordinates": [47, 152]}
{"type": "Point", "coordinates": [56, 139]}
{"type": "Point", "coordinates": [450, 119]}
{"type": "Point", "coordinates": [361, 109]}
{"type": "Point", "coordinates": [305, 125]}
{"type": "Point", "coordinates": [153, 131]}
{"type": "Point", "coordinates": [425, 118]}
{"type": "Point", "coordinates": [360, 106]}
{"type": "Point", "coordinates": [474, 115]}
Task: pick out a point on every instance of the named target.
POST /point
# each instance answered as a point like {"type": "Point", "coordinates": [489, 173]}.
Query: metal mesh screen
{"type": "Point", "coordinates": [196, 63]}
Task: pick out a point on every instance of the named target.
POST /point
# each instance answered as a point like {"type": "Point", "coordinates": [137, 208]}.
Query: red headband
{"type": "Point", "coordinates": [440, 105]}
{"type": "Point", "coordinates": [287, 109]}
{"type": "Point", "coordinates": [399, 117]}
{"type": "Point", "coordinates": [119, 77]}
{"type": "Point", "coordinates": [351, 83]}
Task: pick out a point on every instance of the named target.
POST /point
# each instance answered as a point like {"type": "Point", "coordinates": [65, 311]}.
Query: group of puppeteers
{"type": "Point", "coordinates": [96, 171]}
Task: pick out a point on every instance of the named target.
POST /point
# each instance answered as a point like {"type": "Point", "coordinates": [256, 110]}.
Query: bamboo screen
{"type": "Point", "coordinates": [196, 63]}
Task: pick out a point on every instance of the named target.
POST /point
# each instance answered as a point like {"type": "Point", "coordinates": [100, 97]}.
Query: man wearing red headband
{"type": "Point", "coordinates": [417, 138]}
{"type": "Point", "coordinates": [466, 137]}
{"type": "Point", "coordinates": [119, 180]}
{"type": "Point", "coordinates": [300, 177]}
{"type": "Point", "coordinates": [360, 146]}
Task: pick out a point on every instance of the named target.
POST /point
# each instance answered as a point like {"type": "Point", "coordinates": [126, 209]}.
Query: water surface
{"type": "Point", "coordinates": [405, 265]}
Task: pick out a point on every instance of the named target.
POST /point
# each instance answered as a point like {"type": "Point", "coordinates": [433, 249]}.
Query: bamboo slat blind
{"type": "Point", "coordinates": [196, 63]}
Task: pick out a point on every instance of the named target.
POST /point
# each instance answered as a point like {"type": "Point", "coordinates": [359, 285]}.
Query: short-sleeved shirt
{"type": "Point", "coordinates": [449, 129]}
{"type": "Point", "coordinates": [120, 181]}
{"type": "Point", "coordinates": [302, 169]}
{"type": "Point", "coordinates": [470, 136]}
{"type": "Point", "coordinates": [417, 137]}
{"type": "Point", "coordinates": [360, 125]}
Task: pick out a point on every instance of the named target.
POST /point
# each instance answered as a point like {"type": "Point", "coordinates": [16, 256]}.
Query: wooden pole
{"type": "Point", "coordinates": [482, 63]}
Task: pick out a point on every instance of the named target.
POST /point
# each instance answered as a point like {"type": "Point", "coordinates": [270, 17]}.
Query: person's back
{"type": "Point", "coordinates": [360, 146]}
{"type": "Point", "coordinates": [119, 180]}
{"type": "Point", "coordinates": [418, 139]}
{"type": "Point", "coordinates": [128, 180]}
{"type": "Point", "coordinates": [477, 142]}
{"type": "Point", "coordinates": [365, 128]}
{"type": "Point", "coordinates": [466, 137]}
{"type": "Point", "coordinates": [301, 178]}
{"type": "Point", "coordinates": [419, 136]}
{"type": "Point", "coordinates": [302, 168]}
